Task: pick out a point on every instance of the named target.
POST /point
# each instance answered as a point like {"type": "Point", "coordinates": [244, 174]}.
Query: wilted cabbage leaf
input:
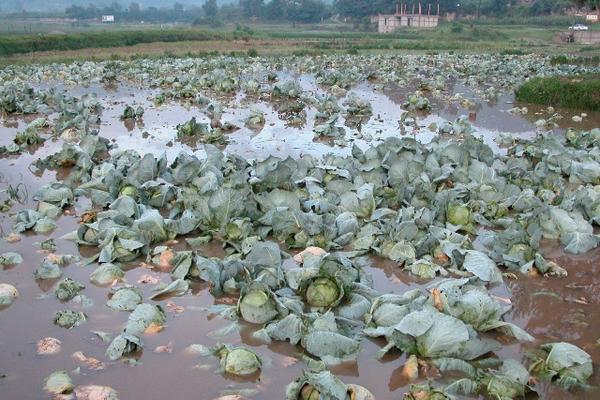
{"type": "Point", "coordinates": [10, 258]}
{"type": "Point", "coordinates": [69, 319]}
{"type": "Point", "coordinates": [565, 363]}
{"type": "Point", "coordinates": [176, 288]}
{"type": "Point", "coordinates": [125, 299]}
{"type": "Point", "coordinates": [8, 294]}
{"type": "Point", "coordinates": [58, 382]}
{"type": "Point", "coordinates": [106, 274]}
{"type": "Point", "coordinates": [67, 289]}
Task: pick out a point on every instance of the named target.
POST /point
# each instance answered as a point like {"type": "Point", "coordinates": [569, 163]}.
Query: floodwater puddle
{"type": "Point", "coordinates": [551, 309]}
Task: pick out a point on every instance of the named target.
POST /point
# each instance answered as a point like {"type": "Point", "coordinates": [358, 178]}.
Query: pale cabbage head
{"type": "Point", "coordinates": [90, 235]}
{"type": "Point", "coordinates": [257, 307]}
{"type": "Point", "coordinates": [309, 392]}
{"type": "Point", "coordinates": [8, 293]}
{"type": "Point", "coordinates": [322, 292]}
{"type": "Point", "coordinates": [241, 361]}
{"type": "Point", "coordinates": [58, 382]}
{"type": "Point", "coordinates": [458, 215]}
{"type": "Point", "coordinates": [129, 190]}
{"type": "Point", "coordinates": [522, 251]}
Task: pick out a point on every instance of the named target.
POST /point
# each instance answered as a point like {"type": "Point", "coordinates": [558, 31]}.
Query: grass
{"type": "Point", "coordinates": [19, 44]}
{"type": "Point", "coordinates": [576, 92]}
{"type": "Point", "coordinates": [152, 50]}
{"type": "Point", "coordinates": [275, 39]}
{"type": "Point", "coordinates": [560, 21]}
{"type": "Point", "coordinates": [575, 60]}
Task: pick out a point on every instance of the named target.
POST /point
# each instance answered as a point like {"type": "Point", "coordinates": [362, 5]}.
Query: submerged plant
{"type": "Point", "coordinates": [234, 360]}
{"type": "Point", "coordinates": [257, 306]}
{"type": "Point", "coordinates": [565, 364]}
{"type": "Point", "coordinates": [201, 132]}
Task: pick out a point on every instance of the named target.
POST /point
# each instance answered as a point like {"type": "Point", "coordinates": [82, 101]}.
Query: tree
{"type": "Point", "coordinates": [18, 6]}
{"type": "Point", "coordinates": [252, 8]}
{"type": "Point", "coordinates": [76, 12]}
{"type": "Point", "coordinates": [115, 7]}
{"type": "Point", "coordinates": [354, 8]}
{"type": "Point", "coordinates": [449, 5]}
{"type": "Point", "coordinates": [134, 12]}
{"type": "Point", "coordinates": [276, 10]}
{"type": "Point", "coordinates": [496, 7]}
{"type": "Point", "coordinates": [543, 7]}
{"type": "Point", "coordinates": [210, 8]}
{"type": "Point", "coordinates": [307, 11]}
{"type": "Point", "coordinates": [178, 8]}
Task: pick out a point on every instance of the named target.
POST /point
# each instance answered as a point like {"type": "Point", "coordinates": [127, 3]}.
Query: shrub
{"type": "Point", "coordinates": [578, 92]}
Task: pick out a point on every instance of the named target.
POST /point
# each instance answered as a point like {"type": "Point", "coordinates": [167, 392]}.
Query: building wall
{"type": "Point", "coordinates": [388, 23]}
{"type": "Point", "coordinates": [587, 37]}
{"type": "Point", "coordinates": [391, 23]}
{"type": "Point", "coordinates": [592, 18]}
{"type": "Point", "coordinates": [583, 37]}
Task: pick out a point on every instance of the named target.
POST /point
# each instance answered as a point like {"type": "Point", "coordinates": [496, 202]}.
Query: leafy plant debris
{"type": "Point", "coordinates": [278, 248]}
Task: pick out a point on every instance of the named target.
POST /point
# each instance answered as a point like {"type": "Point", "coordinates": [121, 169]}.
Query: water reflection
{"type": "Point", "coordinates": [572, 314]}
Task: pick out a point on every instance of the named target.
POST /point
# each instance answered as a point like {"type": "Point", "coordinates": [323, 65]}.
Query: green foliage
{"type": "Point", "coordinates": [243, 32]}
{"type": "Point", "coordinates": [19, 44]}
{"type": "Point", "coordinates": [134, 12]}
{"type": "Point", "coordinates": [489, 8]}
{"type": "Point", "coordinates": [579, 92]}
{"type": "Point", "coordinates": [569, 60]}
{"type": "Point", "coordinates": [210, 8]}
{"type": "Point", "coordinates": [456, 27]}
{"type": "Point", "coordinates": [524, 18]}
{"type": "Point", "coordinates": [513, 52]}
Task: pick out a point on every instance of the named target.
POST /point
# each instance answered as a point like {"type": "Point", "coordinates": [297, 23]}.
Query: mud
{"type": "Point", "coordinates": [551, 309]}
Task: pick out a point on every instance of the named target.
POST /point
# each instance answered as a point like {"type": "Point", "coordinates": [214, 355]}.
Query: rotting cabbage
{"type": "Point", "coordinates": [124, 299]}
{"type": "Point", "coordinates": [67, 289]}
{"type": "Point", "coordinates": [317, 383]}
{"type": "Point", "coordinates": [234, 360]}
{"type": "Point", "coordinates": [106, 274]}
{"type": "Point", "coordinates": [58, 382]}
{"type": "Point", "coordinates": [69, 319]}
{"type": "Point", "coordinates": [8, 294]}
{"type": "Point", "coordinates": [565, 364]}
{"type": "Point", "coordinates": [393, 199]}
{"type": "Point", "coordinates": [322, 292]}
{"type": "Point", "coordinates": [257, 306]}
{"type": "Point", "coordinates": [10, 258]}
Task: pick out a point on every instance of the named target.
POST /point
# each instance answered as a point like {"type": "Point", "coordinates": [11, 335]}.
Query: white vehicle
{"type": "Point", "coordinates": [578, 27]}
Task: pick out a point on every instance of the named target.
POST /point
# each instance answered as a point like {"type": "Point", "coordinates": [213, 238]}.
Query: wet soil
{"type": "Point", "coordinates": [551, 309]}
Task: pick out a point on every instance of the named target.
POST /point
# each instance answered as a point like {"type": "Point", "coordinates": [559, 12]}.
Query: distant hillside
{"type": "Point", "coordinates": [61, 5]}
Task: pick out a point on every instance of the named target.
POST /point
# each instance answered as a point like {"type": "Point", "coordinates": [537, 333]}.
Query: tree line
{"type": "Point", "coordinates": [310, 11]}
{"type": "Point", "coordinates": [491, 8]}
{"type": "Point", "coordinates": [210, 12]}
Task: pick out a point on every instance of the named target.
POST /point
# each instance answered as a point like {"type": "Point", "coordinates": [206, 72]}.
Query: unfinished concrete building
{"type": "Point", "coordinates": [417, 18]}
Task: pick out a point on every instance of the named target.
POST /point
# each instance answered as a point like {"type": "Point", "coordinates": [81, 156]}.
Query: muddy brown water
{"type": "Point", "coordinates": [551, 309]}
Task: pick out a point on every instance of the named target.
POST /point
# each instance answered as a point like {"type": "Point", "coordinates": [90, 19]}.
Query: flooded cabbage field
{"type": "Point", "coordinates": [341, 227]}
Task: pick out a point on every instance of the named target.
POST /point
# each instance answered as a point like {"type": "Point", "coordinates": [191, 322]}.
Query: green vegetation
{"type": "Point", "coordinates": [447, 37]}
{"type": "Point", "coordinates": [578, 92]}
{"type": "Point", "coordinates": [564, 59]}
{"type": "Point", "coordinates": [213, 13]}
{"type": "Point", "coordinates": [559, 21]}
{"type": "Point", "coordinates": [83, 41]}
{"type": "Point", "coordinates": [19, 44]}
